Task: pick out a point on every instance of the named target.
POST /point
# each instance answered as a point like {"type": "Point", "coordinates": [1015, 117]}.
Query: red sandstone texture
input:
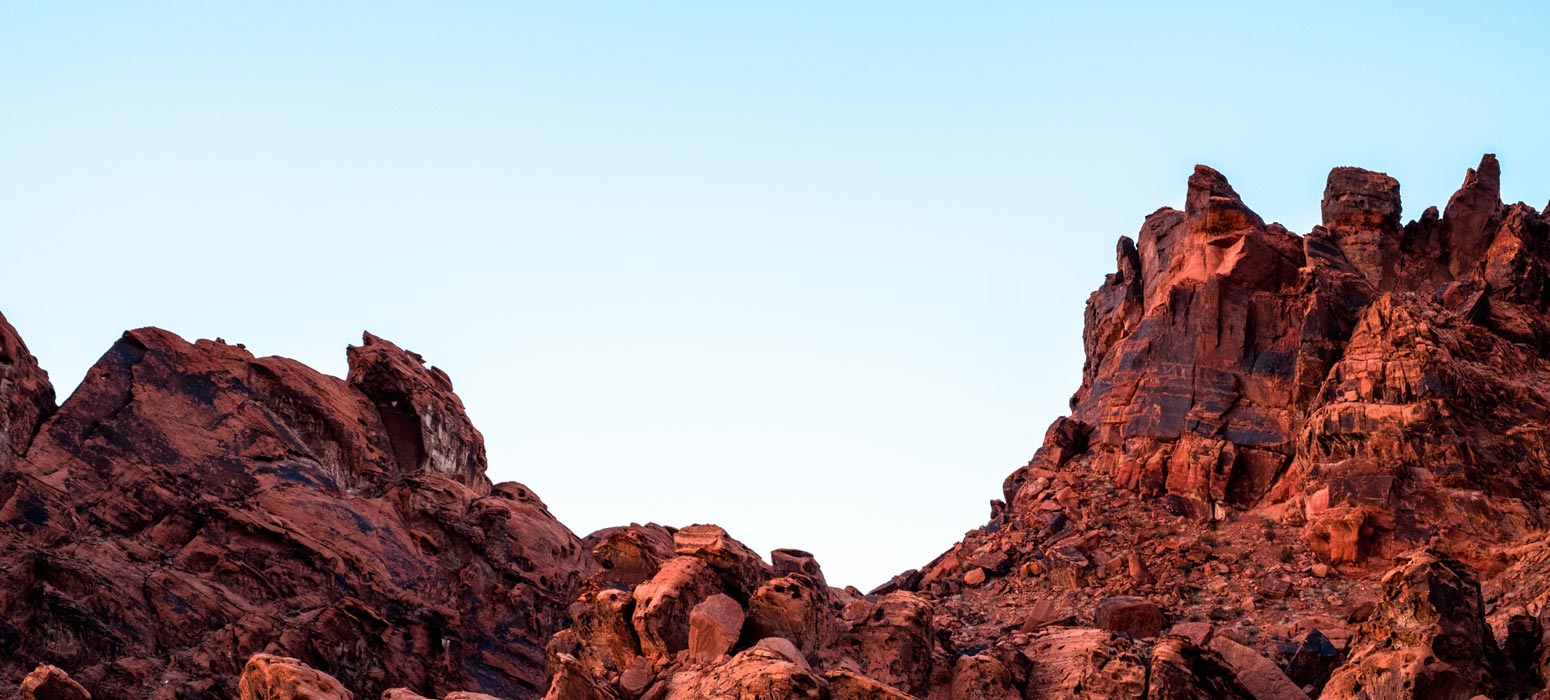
{"type": "Point", "coordinates": [1297, 466]}
{"type": "Point", "coordinates": [191, 505]}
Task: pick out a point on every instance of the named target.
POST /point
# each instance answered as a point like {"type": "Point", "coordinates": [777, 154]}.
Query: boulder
{"type": "Point", "coordinates": [796, 561]}
{"type": "Point", "coordinates": [893, 643]}
{"type": "Point", "coordinates": [1180, 670]}
{"type": "Point", "coordinates": [714, 626]}
{"type": "Point", "coordinates": [845, 684]}
{"type": "Point", "coordinates": [1197, 633]}
{"type": "Point", "coordinates": [1085, 664]}
{"type": "Point", "coordinates": [1259, 675]}
{"type": "Point", "coordinates": [1137, 617]}
{"type": "Point", "coordinates": [741, 570]}
{"type": "Point", "coordinates": [602, 622]}
{"type": "Point", "coordinates": [1336, 534]}
{"type": "Point", "coordinates": [49, 682]}
{"type": "Point", "coordinates": [630, 555]}
{"type": "Point", "coordinates": [792, 607]}
{"type": "Point", "coordinates": [663, 604]}
{"type": "Point", "coordinates": [764, 671]}
{"type": "Point", "coordinates": [267, 677]}
{"type": "Point", "coordinates": [982, 677]}
{"type": "Point", "coordinates": [1426, 640]}
{"type": "Point", "coordinates": [1313, 660]}
{"type": "Point", "coordinates": [572, 682]}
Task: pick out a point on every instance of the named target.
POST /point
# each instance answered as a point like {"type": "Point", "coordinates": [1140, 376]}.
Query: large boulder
{"type": "Point", "coordinates": [572, 682]}
{"type": "Point", "coordinates": [51, 683]}
{"type": "Point", "coordinates": [759, 672]}
{"type": "Point", "coordinates": [663, 604]}
{"type": "Point", "coordinates": [268, 677]}
{"type": "Point", "coordinates": [629, 555]}
{"type": "Point", "coordinates": [1136, 617]}
{"type": "Point", "coordinates": [893, 641]}
{"type": "Point", "coordinates": [1086, 664]}
{"type": "Point", "coordinates": [982, 677]}
{"type": "Point", "coordinates": [796, 561]}
{"type": "Point", "coordinates": [1180, 670]}
{"type": "Point", "coordinates": [1259, 675]}
{"type": "Point", "coordinates": [741, 570]}
{"type": "Point", "coordinates": [714, 627]}
{"type": "Point", "coordinates": [603, 623]}
{"type": "Point", "coordinates": [1427, 640]}
{"type": "Point", "coordinates": [793, 607]}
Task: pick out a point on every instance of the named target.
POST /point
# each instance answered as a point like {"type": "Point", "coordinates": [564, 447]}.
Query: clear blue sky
{"type": "Point", "coordinates": [812, 272]}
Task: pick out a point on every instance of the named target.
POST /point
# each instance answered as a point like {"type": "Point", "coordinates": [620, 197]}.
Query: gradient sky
{"type": "Point", "coordinates": [810, 271]}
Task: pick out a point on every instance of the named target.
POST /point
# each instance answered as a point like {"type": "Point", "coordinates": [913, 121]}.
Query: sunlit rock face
{"type": "Point", "coordinates": [1367, 371]}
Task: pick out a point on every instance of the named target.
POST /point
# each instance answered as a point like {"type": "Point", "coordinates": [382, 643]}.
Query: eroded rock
{"type": "Point", "coordinates": [1427, 640]}
{"type": "Point", "coordinates": [268, 677]}
{"type": "Point", "coordinates": [50, 682]}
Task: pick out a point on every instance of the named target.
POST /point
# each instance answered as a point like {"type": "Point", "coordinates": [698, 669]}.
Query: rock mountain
{"type": "Point", "coordinates": [1297, 466]}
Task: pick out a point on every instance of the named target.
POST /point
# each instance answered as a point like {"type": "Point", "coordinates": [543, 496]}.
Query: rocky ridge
{"type": "Point", "coordinates": [1290, 465]}
{"type": "Point", "coordinates": [191, 505]}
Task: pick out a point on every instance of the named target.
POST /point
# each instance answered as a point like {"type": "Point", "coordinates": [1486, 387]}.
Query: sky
{"type": "Point", "coordinates": [811, 271]}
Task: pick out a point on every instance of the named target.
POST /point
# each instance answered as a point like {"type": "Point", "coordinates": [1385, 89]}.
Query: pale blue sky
{"type": "Point", "coordinates": [811, 272]}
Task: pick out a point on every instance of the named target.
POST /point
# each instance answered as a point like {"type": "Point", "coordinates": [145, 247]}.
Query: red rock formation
{"type": "Point", "coordinates": [1265, 422]}
{"type": "Point", "coordinates": [1265, 419]}
{"type": "Point", "coordinates": [1233, 364]}
{"type": "Point", "coordinates": [714, 627]}
{"type": "Point", "coordinates": [1427, 640]}
{"type": "Point", "coordinates": [26, 396]}
{"type": "Point", "coordinates": [50, 683]}
{"type": "Point", "coordinates": [192, 504]}
{"type": "Point", "coordinates": [268, 677]}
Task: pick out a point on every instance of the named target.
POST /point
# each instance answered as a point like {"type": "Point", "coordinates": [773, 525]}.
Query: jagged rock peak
{"type": "Point", "coordinates": [429, 429]}
{"type": "Point", "coordinates": [1211, 197]}
{"type": "Point", "coordinates": [26, 396]}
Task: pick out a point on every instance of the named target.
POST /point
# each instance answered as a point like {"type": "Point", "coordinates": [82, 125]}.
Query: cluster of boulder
{"type": "Point", "coordinates": [1291, 463]}
{"type": "Point", "coordinates": [688, 631]}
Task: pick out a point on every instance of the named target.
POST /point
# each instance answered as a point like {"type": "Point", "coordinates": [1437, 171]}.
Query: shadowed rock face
{"type": "Point", "coordinates": [26, 396]}
{"type": "Point", "coordinates": [192, 504]}
{"type": "Point", "coordinates": [1290, 462]}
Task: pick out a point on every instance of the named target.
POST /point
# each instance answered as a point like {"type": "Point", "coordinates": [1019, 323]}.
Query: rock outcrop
{"type": "Point", "coordinates": [191, 505]}
{"type": "Point", "coordinates": [51, 683]}
{"type": "Point", "coordinates": [796, 638]}
{"type": "Point", "coordinates": [267, 677]}
{"type": "Point", "coordinates": [26, 396]}
{"type": "Point", "coordinates": [1266, 420]}
{"type": "Point", "coordinates": [1428, 639]}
